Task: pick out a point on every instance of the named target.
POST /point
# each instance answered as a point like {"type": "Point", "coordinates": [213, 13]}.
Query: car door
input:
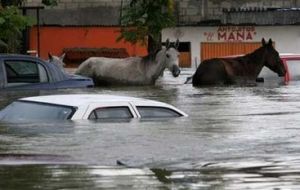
{"type": "Point", "coordinates": [110, 111]}
{"type": "Point", "coordinates": [2, 75]}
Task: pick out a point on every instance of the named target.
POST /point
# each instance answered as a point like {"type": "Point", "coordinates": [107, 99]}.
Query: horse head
{"type": "Point", "coordinates": [57, 60]}
{"type": "Point", "coordinates": [272, 58]}
{"type": "Point", "coordinates": [172, 58]}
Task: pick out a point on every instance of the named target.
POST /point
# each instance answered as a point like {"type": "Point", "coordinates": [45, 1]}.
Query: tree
{"type": "Point", "coordinates": [5, 3]}
{"type": "Point", "coordinates": [143, 20]}
{"type": "Point", "coordinates": [12, 23]}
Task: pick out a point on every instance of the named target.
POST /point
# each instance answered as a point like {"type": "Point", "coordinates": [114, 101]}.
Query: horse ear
{"type": "Point", "coordinates": [263, 42]}
{"type": "Point", "coordinates": [168, 43]}
{"type": "Point", "coordinates": [270, 42]}
{"type": "Point", "coordinates": [62, 56]}
{"type": "Point", "coordinates": [50, 56]}
{"type": "Point", "coordinates": [177, 44]}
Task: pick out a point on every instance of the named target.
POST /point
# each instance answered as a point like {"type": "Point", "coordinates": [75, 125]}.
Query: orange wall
{"type": "Point", "coordinates": [55, 39]}
{"type": "Point", "coordinates": [220, 49]}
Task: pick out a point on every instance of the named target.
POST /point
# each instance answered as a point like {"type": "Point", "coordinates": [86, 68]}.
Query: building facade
{"type": "Point", "coordinates": [206, 28]}
{"type": "Point", "coordinates": [219, 41]}
{"type": "Point", "coordinates": [189, 12]}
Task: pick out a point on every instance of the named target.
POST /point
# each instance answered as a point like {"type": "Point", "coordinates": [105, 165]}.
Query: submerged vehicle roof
{"type": "Point", "coordinates": [81, 99]}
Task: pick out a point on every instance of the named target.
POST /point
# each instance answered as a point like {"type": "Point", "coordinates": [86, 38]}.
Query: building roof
{"type": "Point", "coordinates": [88, 16]}
{"type": "Point", "coordinates": [110, 16]}
{"type": "Point", "coordinates": [261, 16]}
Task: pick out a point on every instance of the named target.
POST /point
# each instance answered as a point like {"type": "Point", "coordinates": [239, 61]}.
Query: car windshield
{"type": "Point", "coordinates": [26, 110]}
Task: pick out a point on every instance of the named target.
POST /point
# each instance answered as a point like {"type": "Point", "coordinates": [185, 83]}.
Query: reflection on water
{"type": "Point", "coordinates": [234, 138]}
{"type": "Point", "coordinates": [233, 175]}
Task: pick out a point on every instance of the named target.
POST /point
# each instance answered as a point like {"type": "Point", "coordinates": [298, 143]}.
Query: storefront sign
{"type": "Point", "coordinates": [232, 34]}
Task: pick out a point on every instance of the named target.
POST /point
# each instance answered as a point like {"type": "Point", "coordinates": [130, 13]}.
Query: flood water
{"type": "Point", "coordinates": [234, 138]}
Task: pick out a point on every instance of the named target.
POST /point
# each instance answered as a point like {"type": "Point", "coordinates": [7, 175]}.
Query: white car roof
{"type": "Point", "coordinates": [77, 100]}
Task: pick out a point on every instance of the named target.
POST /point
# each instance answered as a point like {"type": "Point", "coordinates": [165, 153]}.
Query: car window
{"type": "Point", "coordinates": [294, 69]}
{"type": "Point", "coordinates": [122, 112]}
{"type": "Point", "coordinates": [20, 72]}
{"type": "Point", "coordinates": [157, 112]}
{"type": "Point", "coordinates": [18, 110]}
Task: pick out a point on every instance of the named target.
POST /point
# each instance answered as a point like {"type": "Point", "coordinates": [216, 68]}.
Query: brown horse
{"type": "Point", "coordinates": [239, 70]}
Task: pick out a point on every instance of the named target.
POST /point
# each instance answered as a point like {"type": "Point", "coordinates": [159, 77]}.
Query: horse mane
{"type": "Point", "coordinates": [150, 57]}
{"type": "Point", "coordinates": [255, 54]}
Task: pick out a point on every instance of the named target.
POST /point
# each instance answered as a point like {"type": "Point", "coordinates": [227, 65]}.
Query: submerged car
{"type": "Point", "coordinates": [29, 72]}
{"type": "Point", "coordinates": [86, 107]}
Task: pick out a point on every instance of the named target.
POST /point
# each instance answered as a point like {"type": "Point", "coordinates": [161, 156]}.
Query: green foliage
{"type": "Point", "coordinates": [12, 23]}
{"type": "Point", "coordinates": [5, 3]}
{"type": "Point", "coordinates": [49, 2]}
{"type": "Point", "coordinates": [143, 19]}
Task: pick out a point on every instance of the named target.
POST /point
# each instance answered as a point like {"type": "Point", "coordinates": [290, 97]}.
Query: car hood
{"type": "Point", "coordinates": [78, 77]}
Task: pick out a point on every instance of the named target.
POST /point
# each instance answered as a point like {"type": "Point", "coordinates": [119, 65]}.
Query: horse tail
{"type": "Point", "coordinates": [188, 80]}
{"type": "Point", "coordinates": [84, 68]}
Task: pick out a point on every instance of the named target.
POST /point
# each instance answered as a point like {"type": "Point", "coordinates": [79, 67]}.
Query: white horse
{"type": "Point", "coordinates": [57, 60]}
{"type": "Point", "coordinates": [132, 70]}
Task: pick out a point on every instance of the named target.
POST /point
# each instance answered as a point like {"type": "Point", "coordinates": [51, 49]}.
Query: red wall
{"type": "Point", "coordinates": [55, 39]}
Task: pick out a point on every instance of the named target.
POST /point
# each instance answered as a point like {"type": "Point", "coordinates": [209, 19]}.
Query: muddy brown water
{"type": "Point", "coordinates": [234, 138]}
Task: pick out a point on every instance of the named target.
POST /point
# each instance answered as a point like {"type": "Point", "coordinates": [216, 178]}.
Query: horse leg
{"type": "Point", "coordinates": [101, 82]}
{"type": "Point", "coordinates": [188, 80]}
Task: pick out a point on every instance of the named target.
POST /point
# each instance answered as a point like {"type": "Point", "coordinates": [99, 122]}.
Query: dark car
{"type": "Point", "coordinates": [29, 72]}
